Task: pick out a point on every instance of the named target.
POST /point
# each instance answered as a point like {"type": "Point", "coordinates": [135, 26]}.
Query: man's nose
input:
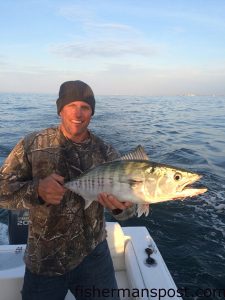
{"type": "Point", "coordinates": [78, 112]}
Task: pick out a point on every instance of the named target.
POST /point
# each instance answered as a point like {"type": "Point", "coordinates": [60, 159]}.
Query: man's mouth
{"type": "Point", "coordinates": [76, 121]}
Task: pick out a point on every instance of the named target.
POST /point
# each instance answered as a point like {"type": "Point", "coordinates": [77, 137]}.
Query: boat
{"type": "Point", "coordinates": [141, 272]}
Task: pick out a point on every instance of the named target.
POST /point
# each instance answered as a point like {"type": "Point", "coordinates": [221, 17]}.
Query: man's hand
{"type": "Point", "coordinates": [51, 189]}
{"type": "Point", "coordinates": [111, 202]}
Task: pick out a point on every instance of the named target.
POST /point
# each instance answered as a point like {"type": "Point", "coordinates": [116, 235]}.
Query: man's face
{"type": "Point", "coordinates": [75, 118]}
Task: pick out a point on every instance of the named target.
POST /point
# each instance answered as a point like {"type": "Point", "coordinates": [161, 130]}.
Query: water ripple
{"type": "Point", "coordinates": [188, 132]}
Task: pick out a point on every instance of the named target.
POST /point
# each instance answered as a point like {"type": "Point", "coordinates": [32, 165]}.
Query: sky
{"type": "Point", "coordinates": [118, 47]}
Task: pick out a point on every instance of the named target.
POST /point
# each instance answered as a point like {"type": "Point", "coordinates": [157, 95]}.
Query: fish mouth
{"type": "Point", "coordinates": [189, 190]}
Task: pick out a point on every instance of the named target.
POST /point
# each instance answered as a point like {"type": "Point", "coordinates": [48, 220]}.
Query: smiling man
{"type": "Point", "coordinates": [76, 106]}
{"type": "Point", "coordinates": [66, 246]}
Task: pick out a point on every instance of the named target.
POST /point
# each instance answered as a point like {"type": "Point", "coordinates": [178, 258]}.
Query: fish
{"type": "Point", "coordinates": [135, 178]}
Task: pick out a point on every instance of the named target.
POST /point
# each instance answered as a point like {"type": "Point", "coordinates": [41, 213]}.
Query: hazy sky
{"type": "Point", "coordinates": [131, 47]}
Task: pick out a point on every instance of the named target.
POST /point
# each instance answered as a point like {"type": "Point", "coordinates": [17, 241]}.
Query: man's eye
{"type": "Point", "coordinates": [86, 108]}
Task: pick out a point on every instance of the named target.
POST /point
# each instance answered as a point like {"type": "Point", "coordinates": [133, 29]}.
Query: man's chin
{"type": "Point", "coordinates": [79, 136]}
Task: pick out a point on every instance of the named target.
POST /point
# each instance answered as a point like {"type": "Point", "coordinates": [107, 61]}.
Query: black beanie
{"type": "Point", "coordinates": [77, 90]}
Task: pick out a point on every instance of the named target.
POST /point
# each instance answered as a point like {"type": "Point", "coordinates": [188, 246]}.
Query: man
{"type": "Point", "coordinates": [66, 246]}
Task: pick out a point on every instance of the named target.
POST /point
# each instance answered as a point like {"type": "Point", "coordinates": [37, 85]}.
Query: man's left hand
{"type": "Point", "coordinates": [111, 202]}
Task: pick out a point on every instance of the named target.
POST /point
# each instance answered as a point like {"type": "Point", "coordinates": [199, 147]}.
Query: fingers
{"type": "Point", "coordinates": [106, 201]}
{"type": "Point", "coordinates": [111, 202]}
{"type": "Point", "coordinates": [58, 178]}
{"type": "Point", "coordinates": [128, 204]}
{"type": "Point", "coordinates": [51, 189]}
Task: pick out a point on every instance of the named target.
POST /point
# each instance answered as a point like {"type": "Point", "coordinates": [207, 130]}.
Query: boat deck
{"type": "Point", "coordinates": [136, 279]}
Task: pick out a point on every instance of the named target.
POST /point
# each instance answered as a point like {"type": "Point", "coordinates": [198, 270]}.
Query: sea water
{"type": "Point", "coordinates": [187, 132]}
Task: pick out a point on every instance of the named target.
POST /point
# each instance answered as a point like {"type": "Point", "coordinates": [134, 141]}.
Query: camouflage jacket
{"type": "Point", "coordinates": [60, 236]}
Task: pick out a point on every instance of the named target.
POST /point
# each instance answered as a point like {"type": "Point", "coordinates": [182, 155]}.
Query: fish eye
{"type": "Point", "coordinates": [177, 176]}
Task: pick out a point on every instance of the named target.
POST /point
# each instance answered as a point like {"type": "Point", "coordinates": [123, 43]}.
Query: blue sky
{"type": "Point", "coordinates": [129, 47]}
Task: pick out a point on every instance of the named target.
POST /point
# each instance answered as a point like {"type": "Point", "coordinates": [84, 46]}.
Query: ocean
{"type": "Point", "coordinates": [184, 131]}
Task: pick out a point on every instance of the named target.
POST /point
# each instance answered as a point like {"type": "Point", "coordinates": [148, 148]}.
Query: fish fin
{"type": "Point", "coordinates": [142, 209]}
{"type": "Point", "coordinates": [137, 154]}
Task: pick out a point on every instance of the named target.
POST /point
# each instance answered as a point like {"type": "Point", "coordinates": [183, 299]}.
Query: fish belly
{"type": "Point", "coordinates": [109, 181]}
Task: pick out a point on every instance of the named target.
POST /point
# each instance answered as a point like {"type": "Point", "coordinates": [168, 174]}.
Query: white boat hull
{"type": "Point", "coordinates": [135, 278]}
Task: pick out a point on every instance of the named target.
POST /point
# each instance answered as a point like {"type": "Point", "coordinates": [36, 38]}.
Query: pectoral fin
{"type": "Point", "coordinates": [142, 209]}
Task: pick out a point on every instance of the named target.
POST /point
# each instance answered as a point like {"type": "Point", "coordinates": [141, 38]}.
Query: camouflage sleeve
{"type": "Point", "coordinates": [18, 190]}
{"type": "Point", "coordinates": [112, 153]}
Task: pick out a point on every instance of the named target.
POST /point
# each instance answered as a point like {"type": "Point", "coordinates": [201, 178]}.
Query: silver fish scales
{"type": "Point", "coordinates": [137, 180]}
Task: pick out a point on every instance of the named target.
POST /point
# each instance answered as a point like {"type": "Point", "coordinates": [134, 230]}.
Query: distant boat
{"type": "Point", "coordinates": [188, 95]}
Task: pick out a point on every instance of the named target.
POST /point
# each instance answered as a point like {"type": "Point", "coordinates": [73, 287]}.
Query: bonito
{"type": "Point", "coordinates": [134, 178]}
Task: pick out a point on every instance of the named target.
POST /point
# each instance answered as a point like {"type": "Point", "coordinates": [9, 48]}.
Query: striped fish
{"type": "Point", "coordinates": [134, 178]}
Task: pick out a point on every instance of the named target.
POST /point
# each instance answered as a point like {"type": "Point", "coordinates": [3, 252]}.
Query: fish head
{"type": "Point", "coordinates": [166, 183]}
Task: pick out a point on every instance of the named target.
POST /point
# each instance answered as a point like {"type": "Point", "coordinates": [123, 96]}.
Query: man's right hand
{"type": "Point", "coordinates": [51, 189]}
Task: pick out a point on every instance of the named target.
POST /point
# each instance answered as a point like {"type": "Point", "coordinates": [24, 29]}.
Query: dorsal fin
{"type": "Point", "coordinates": [137, 154]}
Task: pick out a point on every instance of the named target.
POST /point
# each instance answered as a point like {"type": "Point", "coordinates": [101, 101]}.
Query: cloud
{"type": "Point", "coordinates": [103, 48]}
{"type": "Point", "coordinates": [87, 17]}
{"type": "Point", "coordinates": [3, 61]}
{"type": "Point", "coordinates": [3, 64]}
{"type": "Point", "coordinates": [121, 79]}
{"type": "Point", "coordinates": [100, 38]}
{"type": "Point", "coordinates": [90, 20]}
{"type": "Point", "coordinates": [116, 26]}
{"type": "Point", "coordinates": [76, 13]}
